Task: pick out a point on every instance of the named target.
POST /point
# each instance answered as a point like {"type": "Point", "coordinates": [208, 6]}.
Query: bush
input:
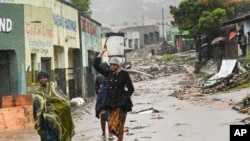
{"type": "Point", "coordinates": [247, 58]}
{"type": "Point", "coordinates": [168, 57]}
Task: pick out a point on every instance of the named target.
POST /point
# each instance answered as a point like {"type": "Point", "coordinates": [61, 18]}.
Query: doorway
{"type": "Point", "coordinates": [8, 73]}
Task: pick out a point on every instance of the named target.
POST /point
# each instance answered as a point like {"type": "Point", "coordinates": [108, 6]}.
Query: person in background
{"type": "Point", "coordinates": [248, 35]}
{"type": "Point", "coordinates": [51, 111]}
{"type": "Point", "coordinates": [118, 99]}
{"type": "Point", "coordinates": [242, 41]}
{"type": "Point", "coordinates": [198, 50]}
{"type": "Point", "coordinates": [101, 86]}
{"type": "Point", "coordinates": [222, 49]}
{"type": "Point", "coordinates": [209, 48]}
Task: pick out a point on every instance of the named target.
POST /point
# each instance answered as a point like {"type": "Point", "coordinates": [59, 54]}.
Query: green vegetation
{"type": "Point", "coordinates": [84, 6]}
{"type": "Point", "coordinates": [203, 17]}
{"type": "Point", "coordinates": [247, 58]}
{"type": "Point", "coordinates": [245, 85]}
{"type": "Point", "coordinates": [242, 86]}
{"type": "Point", "coordinates": [245, 61]}
{"type": "Point", "coordinates": [168, 57]}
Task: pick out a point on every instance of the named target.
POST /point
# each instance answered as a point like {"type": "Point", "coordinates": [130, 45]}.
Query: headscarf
{"type": "Point", "coordinates": [117, 60]}
{"type": "Point", "coordinates": [114, 60]}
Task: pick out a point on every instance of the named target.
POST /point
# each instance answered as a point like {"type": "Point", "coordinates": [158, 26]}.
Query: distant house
{"type": "Point", "coordinates": [138, 36]}
{"type": "Point", "coordinates": [242, 22]}
{"type": "Point", "coordinates": [180, 39]}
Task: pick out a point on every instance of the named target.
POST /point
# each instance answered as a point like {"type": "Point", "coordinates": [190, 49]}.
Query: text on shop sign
{"type": "Point", "coordinates": [64, 22]}
{"type": "Point", "coordinates": [5, 25]}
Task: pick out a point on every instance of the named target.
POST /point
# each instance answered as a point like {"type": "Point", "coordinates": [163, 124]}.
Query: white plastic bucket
{"type": "Point", "coordinates": [115, 45]}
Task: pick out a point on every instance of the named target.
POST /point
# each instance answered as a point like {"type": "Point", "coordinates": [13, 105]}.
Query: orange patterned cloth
{"type": "Point", "coordinates": [117, 118]}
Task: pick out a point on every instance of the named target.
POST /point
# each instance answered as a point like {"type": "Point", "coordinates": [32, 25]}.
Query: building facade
{"type": "Point", "coordinates": [12, 50]}
{"type": "Point", "coordinates": [91, 44]}
{"type": "Point", "coordinates": [139, 36]}
{"type": "Point", "coordinates": [243, 23]}
{"type": "Point", "coordinates": [46, 35]}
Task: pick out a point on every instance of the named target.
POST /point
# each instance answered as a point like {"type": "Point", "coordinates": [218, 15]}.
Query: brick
{"type": "Point", "coordinates": [22, 100]}
{"type": "Point", "coordinates": [7, 101]}
{"type": "Point", "coordinates": [16, 118]}
{"type": "Point", "coordinates": [16, 100]}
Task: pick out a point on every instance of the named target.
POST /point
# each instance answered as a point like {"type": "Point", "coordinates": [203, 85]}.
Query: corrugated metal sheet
{"type": "Point", "coordinates": [226, 69]}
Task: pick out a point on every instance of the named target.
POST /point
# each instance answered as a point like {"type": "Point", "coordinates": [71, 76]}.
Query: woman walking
{"type": "Point", "coordinates": [117, 101]}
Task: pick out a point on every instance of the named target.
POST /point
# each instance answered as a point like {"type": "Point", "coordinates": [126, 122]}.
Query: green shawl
{"type": "Point", "coordinates": [56, 111]}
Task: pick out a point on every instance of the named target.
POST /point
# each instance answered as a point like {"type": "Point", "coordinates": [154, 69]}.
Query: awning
{"type": "Point", "coordinates": [236, 20]}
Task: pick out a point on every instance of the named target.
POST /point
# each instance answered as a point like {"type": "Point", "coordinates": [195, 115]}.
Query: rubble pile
{"type": "Point", "coordinates": [166, 48]}
{"type": "Point", "coordinates": [225, 83]}
{"type": "Point", "coordinates": [231, 74]}
{"type": "Point", "coordinates": [141, 54]}
{"type": "Point", "coordinates": [244, 107]}
{"type": "Point", "coordinates": [148, 67]}
{"type": "Point", "coordinates": [154, 68]}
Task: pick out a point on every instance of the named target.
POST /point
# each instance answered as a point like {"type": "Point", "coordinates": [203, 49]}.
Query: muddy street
{"type": "Point", "coordinates": [165, 117]}
{"type": "Point", "coordinates": [158, 116]}
{"type": "Point", "coordinates": [168, 107]}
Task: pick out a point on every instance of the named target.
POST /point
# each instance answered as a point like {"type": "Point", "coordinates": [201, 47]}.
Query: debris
{"type": "Point", "coordinates": [146, 137]}
{"type": "Point", "coordinates": [225, 83]}
{"type": "Point", "coordinates": [78, 101]}
{"type": "Point", "coordinates": [244, 105]}
{"type": "Point", "coordinates": [136, 71]}
{"type": "Point", "coordinates": [145, 68]}
{"type": "Point", "coordinates": [132, 120]}
{"type": "Point", "coordinates": [147, 111]}
{"type": "Point", "coordinates": [246, 121]}
{"type": "Point", "coordinates": [157, 117]}
{"type": "Point", "coordinates": [138, 127]}
{"type": "Point", "coordinates": [231, 74]}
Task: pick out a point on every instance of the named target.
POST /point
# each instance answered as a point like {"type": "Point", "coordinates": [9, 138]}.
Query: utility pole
{"type": "Point", "coordinates": [163, 24]}
{"type": "Point", "coordinates": [142, 20]}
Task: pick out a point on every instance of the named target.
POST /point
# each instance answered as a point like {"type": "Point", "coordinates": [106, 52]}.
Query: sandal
{"type": "Point", "coordinates": [103, 137]}
{"type": "Point", "coordinates": [111, 138]}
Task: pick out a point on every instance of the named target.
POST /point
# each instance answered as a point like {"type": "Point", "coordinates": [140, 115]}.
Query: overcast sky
{"type": "Point", "coordinates": [108, 12]}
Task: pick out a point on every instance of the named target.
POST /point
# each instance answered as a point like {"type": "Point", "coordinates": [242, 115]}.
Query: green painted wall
{"type": "Point", "coordinates": [175, 31]}
{"type": "Point", "coordinates": [91, 41]}
{"type": "Point", "coordinates": [14, 40]}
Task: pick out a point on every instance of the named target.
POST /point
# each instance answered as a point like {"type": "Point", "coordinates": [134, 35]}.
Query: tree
{"type": "Point", "coordinates": [201, 16]}
{"type": "Point", "coordinates": [241, 8]}
{"type": "Point", "coordinates": [84, 6]}
{"type": "Point", "coordinates": [209, 22]}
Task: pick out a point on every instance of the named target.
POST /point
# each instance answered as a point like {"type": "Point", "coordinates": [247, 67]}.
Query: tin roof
{"type": "Point", "coordinates": [236, 20]}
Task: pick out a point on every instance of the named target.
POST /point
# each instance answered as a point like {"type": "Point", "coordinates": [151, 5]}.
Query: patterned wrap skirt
{"type": "Point", "coordinates": [117, 118]}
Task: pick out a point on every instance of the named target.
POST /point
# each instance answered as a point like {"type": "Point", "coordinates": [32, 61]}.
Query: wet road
{"type": "Point", "coordinates": [203, 119]}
